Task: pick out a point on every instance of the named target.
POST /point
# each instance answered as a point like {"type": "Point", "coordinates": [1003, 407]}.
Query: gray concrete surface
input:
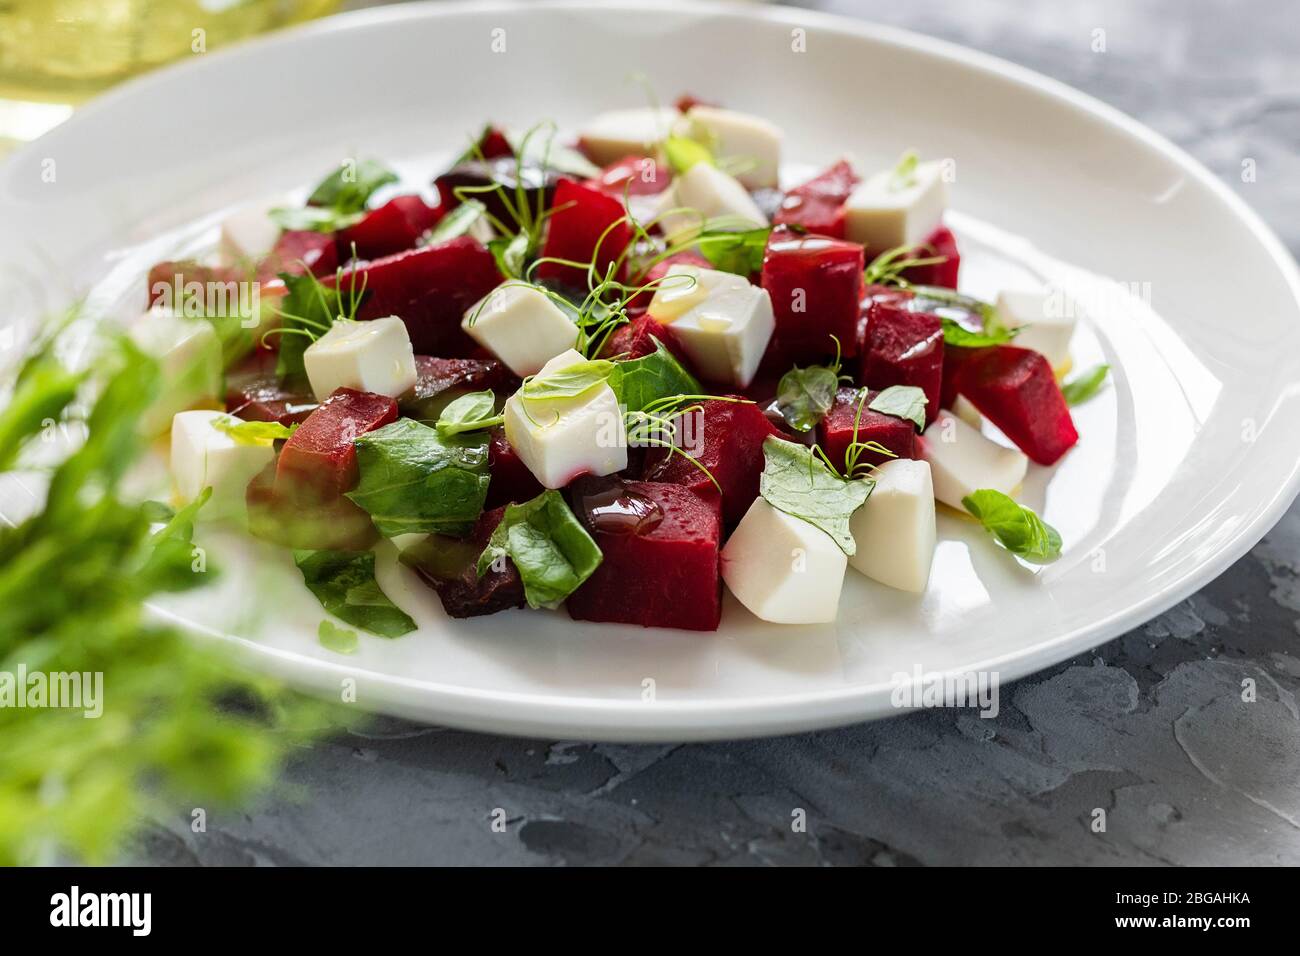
{"type": "Point", "coordinates": [1150, 728]}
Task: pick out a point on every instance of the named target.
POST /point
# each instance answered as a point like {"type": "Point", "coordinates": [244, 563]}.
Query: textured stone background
{"type": "Point", "coordinates": [1150, 727]}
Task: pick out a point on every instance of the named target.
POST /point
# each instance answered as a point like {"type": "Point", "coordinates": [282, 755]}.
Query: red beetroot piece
{"type": "Point", "coordinates": [818, 205]}
{"type": "Point", "coordinates": [636, 340]}
{"type": "Point", "coordinates": [298, 251]}
{"type": "Point", "coordinates": [1015, 389]}
{"type": "Point", "coordinates": [450, 567]}
{"type": "Point", "coordinates": [511, 480]}
{"type": "Point", "coordinates": [255, 393]}
{"type": "Point", "coordinates": [320, 460]}
{"type": "Point", "coordinates": [660, 544]}
{"type": "Point", "coordinates": [506, 171]}
{"type": "Point", "coordinates": [727, 439]}
{"type": "Point", "coordinates": [392, 228]}
{"type": "Point", "coordinates": [588, 224]}
{"type": "Point", "coordinates": [439, 381]}
{"type": "Point", "coordinates": [633, 175]}
{"type": "Point", "coordinates": [816, 287]}
{"type": "Point", "coordinates": [941, 242]}
{"type": "Point", "coordinates": [835, 432]}
{"type": "Point", "coordinates": [429, 288]}
{"type": "Point", "coordinates": [289, 521]}
{"type": "Point", "coordinates": [902, 347]}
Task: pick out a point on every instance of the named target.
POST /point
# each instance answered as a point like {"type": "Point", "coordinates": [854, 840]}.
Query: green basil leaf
{"type": "Point", "coordinates": [548, 545]}
{"type": "Point", "coordinates": [569, 382]}
{"type": "Point", "coordinates": [253, 433]}
{"type": "Point", "coordinates": [954, 333]}
{"type": "Point", "coordinates": [1085, 385]}
{"type": "Point", "coordinates": [413, 479]}
{"type": "Point", "coordinates": [340, 640]}
{"type": "Point", "coordinates": [349, 187]}
{"type": "Point", "coordinates": [641, 381]}
{"type": "Point", "coordinates": [992, 331]}
{"type": "Point", "coordinates": [797, 482]}
{"type": "Point", "coordinates": [737, 252]}
{"type": "Point", "coordinates": [805, 395]}
{"type": "Point", "coordinates": [314, 218]}
{"type": "Point", "coordinates": [1016, 527]}
{"type": "Point", "coordinates": [469, 412]}
{"type": "Point", "coordinates": [456, 223]}
{"type": "Point", "coordinates": [902, 401]}
{"type": "Point", "coordinates": [682, 153]}
{"type": "Point", "coordinates": [511, 254]}
{"type": "Point", "coordinates": [344, 583]}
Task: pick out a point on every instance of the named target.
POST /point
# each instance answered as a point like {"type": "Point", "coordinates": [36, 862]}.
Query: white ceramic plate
{"type": "Point", "coordinates": [1186, 459]}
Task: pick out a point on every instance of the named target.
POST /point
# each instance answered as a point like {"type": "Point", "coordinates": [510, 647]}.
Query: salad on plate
{"type": "Point", "coordinates": [617, 374]}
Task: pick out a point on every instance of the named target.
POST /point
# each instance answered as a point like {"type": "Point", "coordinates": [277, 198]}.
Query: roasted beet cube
{"type": "Point", "coordinates": [511, 480]}
{"type": "Point", "coordinates": [493, 144]}
{"type": "Point", "coordinates": [450, 567]}
{"type": "Point", "coordinates": [816, 289]}
{"type": "Point", "coordinates": [167, 280]}
{"type": "Point", "coordinates": [835, 433]}
{"type": "Point", "coordinates": [255, 393]}
{"type": "Point", "coordinates": [299, 251]}
{"type": "Point", "coordinates": [660, 544]}
{"type": "Point", "coordinates": [954, 360]}
{"type": "Point", "coordinates": [588, 225]}
{"type": "Point", "coordinates": [727, 439]}
{"type": "Point", "coordinates": [509, 173]}
{"type": "Point", "coordinates": [633, 175]}
{"type": "Point", "coordinates": [902, 347]}
{"type": "Point", "coordinates": [429, 289]}
{"type": "Point", "coordinates": [818, 205]}
{"type": "Point", "coordinates": [943, 243]}
{"type": "Point", "coordinates": [1015, 389]}
{"type": "Point", "coordinates": [636, 339]}
{"type": "Point", "coordinates": [320, 458]}
{"type": "Point", "coordinates": [392, 228]}
{"type": "Point", "coordinates": [305, 521]}
{"type": "Point", "coordinates": [439, 381]}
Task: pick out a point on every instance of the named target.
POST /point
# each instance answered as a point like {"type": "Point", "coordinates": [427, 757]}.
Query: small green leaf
{"type": "Point", "coordinates": [344, 583]}
{"type": "Point", "coordinates": [512, 254]}
{"type": "Point", "coordinates": [568, 382]}
{"type": "Point", "coordinates": [683, 153]}
{"type": "Point", "coordinates": [737, 252]}
{"type": "Point", "coordinates": [799, 483]}
{"type": "Point", "coordinates": [349, 187]}
{"type": "Point", "coordinates": [156, 512]}
{"type": "Point", "coordinates": [805, 395]}
{"type": "Point", "coordinates": [548, 545]}
{"type": "Point", "coordinates": [903, 175]}
{"type": "Point", "coordinates": [314, 218]}
{"type": "Point", "coordinates": [414, 479]}
{"type": "Point", "coordinates": [1085, 385]}
{"type": "Point", "coordinates": [340, 640]}
{"type": "Point", "coordinates": [902, 401]}
{"type": "Point", "coordinates": [1016, 527]}
{"type": "Point", "coordinates": [307, 311]}
{"type": "Point", "coordinates": [469, 412]}
{"type": "Point", "coordinates": [639, 382]}
{"type": "Point", "coordinates": [253, 433]}
{"type": "Point", "coordinates": [456, 223]}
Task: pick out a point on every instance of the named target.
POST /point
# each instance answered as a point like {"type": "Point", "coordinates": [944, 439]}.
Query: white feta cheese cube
{"type": "Point", "coordinates": [706, 196]}
{"type": "Point", "coordinates": [963, 460]}
{"type": "Point", "coordinates": [782, 568]}
{"type": "Point", "coordinates": [895, 530]}
{"type": "Point", "coordinates": [203, 455]}
{"type": "Point", "coordinates": [248, 233]}
{"type": "Point", "coordinates": [521, 326]}
{"type": "Point", "coordinates": [188, 353]}
{"type": "Point", "coordinates": [371, 356]}
{"type": "Point", "coordinates": [722, 321]}
{"type": "Point", "coordinates": [884, 211]}
{"type": "Point", "coordinates": [1047, 323]}
{"type": "Point", "coordinates": [611, 136]}
{"type": "Point", "coordinates": [963, 409]}
{"type": "Point", "coordinates": [560, 439]}
{"type": "Point", "coordinates": [751, 142]}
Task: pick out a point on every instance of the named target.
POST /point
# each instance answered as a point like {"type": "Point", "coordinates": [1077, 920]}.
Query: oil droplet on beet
{"type": "Point", "coordinates": [616, 509]}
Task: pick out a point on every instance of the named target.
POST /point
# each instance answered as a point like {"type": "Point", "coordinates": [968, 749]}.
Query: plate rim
{"type": "Point", "coordinates": [612, 719]}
